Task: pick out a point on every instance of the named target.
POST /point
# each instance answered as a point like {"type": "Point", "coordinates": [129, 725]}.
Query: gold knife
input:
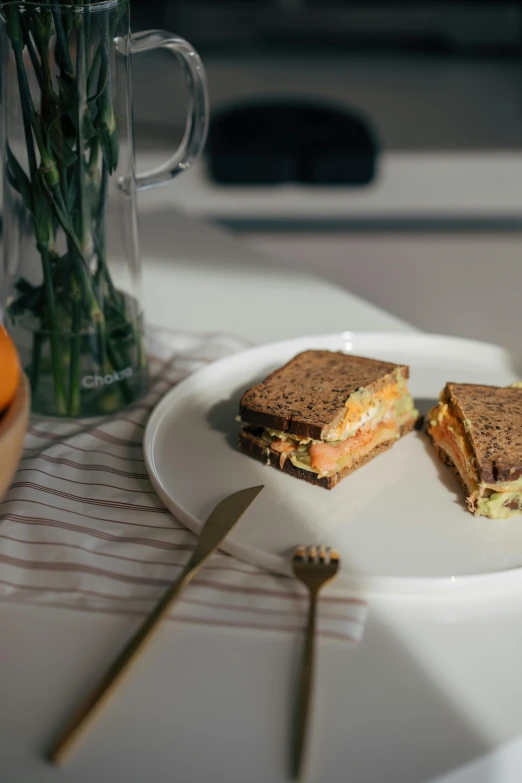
{"type": "Point", "coordinates": [218, 525]}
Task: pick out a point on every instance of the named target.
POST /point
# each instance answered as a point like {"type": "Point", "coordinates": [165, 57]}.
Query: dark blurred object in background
{"type": "Point", "coordinates": [460, 26]}
{"type": "Point", "coordinates": [430, 74]}
{"type": "Point", "coordinates": [278, 141]}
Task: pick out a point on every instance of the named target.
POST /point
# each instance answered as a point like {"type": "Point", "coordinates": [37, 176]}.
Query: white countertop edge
{"type": "Point", "coordinates": [408, 185]}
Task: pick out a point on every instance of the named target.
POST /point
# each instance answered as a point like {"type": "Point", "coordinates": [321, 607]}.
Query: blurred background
{"type": "Point", "coordinates": [378, 144]}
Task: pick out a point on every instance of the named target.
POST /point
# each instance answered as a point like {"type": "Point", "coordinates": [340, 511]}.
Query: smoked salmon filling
{"type": "Point", "coordinates": [368, 423]}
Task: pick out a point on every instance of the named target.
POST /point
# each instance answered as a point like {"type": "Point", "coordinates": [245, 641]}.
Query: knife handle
{"type": "Point", "coordinates": [80, 723]}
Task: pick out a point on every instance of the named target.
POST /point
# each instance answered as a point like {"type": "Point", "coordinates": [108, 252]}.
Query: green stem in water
{"type": "Point", "coordinates": [99, 220]}
{"type": "Point", "coordinates": [51, 177]}
{"type": "Point", "coordinates": [87, 17]}
{"type": "Point", "coordinates": [61, 39]}
{"type": "Point", "coordinates": [43, 247]}
{"type": "Point", "coordinates": [83, 231]}
{"type": "Point", "coordinates": [93, 159]}
{"type": "Point", "coordinates": [59, 391]}
{"type": "Point", "coordinates": [26, 111]}
{"type": "Point", "coordinates": [48, 164]}
{"type": "Point", "coordinates": [75, 348]}
{"type": "Point", "coordinates": [117, 364]}
{"type": "Point", "coordinates": [101, 349]}
{"type": "Point", "coordinates": [99, 237]}
{"type": "Point", "coordinates": [106, 120]}
{"type": "Point", "coordinates": [90, 301]}
{"type": "Point", "coordinates": [94, 72]}
{"type": "Point", "coordinates": [35, 62]}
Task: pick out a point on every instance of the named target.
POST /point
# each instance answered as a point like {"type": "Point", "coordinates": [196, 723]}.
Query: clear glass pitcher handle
{"type": "Point", "coordinates": [197, 116]}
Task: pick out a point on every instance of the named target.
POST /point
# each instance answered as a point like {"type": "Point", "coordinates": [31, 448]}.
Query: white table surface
{"type": "Point", "coordinates": [434, 685]}
{"type": "Point", "coordinates": [200, 278]}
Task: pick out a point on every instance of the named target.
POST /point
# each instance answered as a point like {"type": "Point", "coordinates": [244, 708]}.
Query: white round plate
{"type": "Point", "coordinates": [399, 523]}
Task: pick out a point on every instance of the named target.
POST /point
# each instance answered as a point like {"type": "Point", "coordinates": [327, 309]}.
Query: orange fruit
{"type": "Point", "coordinates": [9, 369]}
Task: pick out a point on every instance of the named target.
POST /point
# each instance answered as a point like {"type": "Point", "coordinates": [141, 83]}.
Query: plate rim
{"type": "Point", "coordinates": [389, 585]}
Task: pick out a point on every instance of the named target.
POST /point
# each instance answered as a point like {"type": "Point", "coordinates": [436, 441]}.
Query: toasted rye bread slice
{"type": "Point", "coordinates": [251, 443]}
{"type": "Point", "coordinates": [492, 418]}
{"type": "Point", "coordinates": [307, 396]}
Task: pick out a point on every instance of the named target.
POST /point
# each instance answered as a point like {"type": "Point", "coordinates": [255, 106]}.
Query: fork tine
{"type": "Point", "coordinates": [322, 554]}
{"type": "Point", "coordinates": [312, 553]}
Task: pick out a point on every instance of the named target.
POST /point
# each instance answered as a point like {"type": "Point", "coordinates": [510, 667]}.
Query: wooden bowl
{"type": "Point", "coordinates": [13, 426]}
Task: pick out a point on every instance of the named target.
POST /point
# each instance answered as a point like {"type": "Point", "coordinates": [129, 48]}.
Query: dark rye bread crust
{"type": "Point", "coordinates": [250, 442]}
{"type": "Point", "coordinates": [495, 431]}
{"type": "Point", "coordinates": [307, 396]}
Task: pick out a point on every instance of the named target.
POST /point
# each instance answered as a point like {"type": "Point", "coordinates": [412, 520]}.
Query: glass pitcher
{"type": "Point", "coordinates": [71, 281]}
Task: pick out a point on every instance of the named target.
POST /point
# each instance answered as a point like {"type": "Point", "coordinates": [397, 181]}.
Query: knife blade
{"type": "Point", "coordinates": [220, 522]}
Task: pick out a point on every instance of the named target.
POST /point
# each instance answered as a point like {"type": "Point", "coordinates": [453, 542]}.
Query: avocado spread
{"type": "Point", "coordinates": [501, 505]}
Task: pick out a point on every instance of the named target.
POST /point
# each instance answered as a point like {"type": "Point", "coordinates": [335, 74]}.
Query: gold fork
{"type": "Point", "coordinates": [314, 567]}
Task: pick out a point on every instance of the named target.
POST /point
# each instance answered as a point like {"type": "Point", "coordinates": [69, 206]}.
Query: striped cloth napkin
{"type": "Point", "coordinates": [82, 527]}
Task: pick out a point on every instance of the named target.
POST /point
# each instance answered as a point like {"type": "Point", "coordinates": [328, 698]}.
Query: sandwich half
{"type": "Point", "coordinates": [477, 432]}
{"type": "Point", "coordinates": [324, 414]}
